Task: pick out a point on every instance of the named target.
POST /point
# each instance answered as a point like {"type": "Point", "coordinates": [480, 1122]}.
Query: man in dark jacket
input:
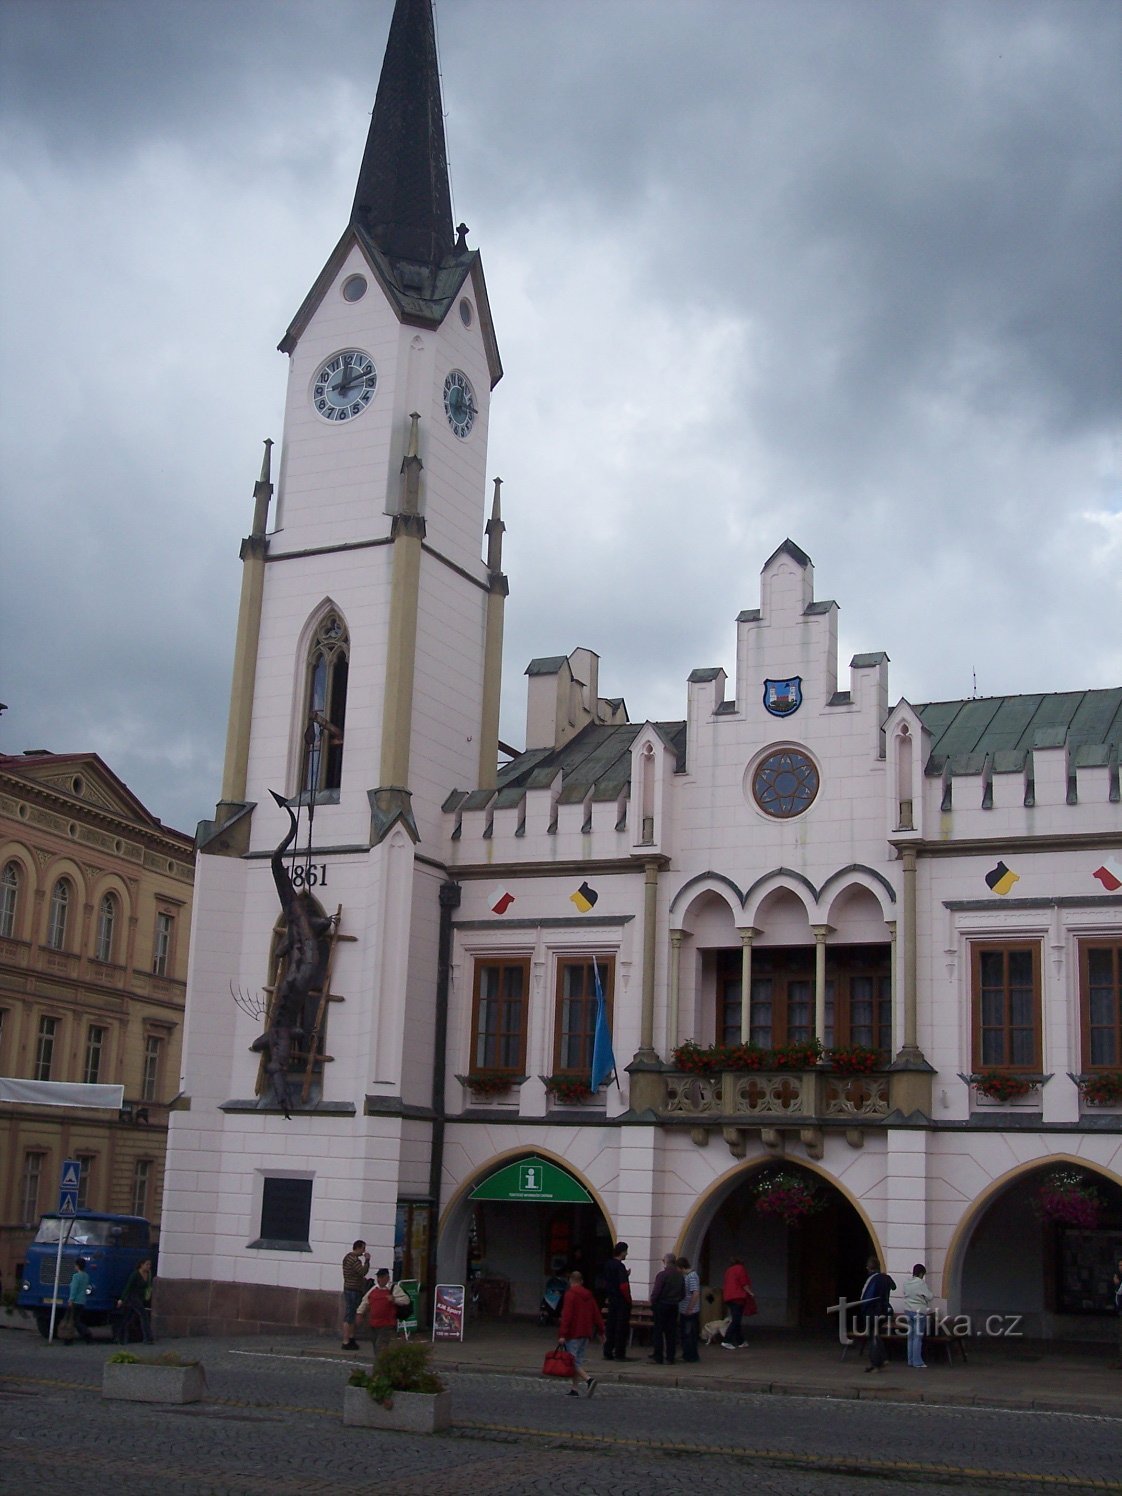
{"type": "Point", "coordinates": [667, 1293]}
{"type": "Point", "coordinates": [617, 1291]}
{"type": "Point", "coordinates": [875, 1308]}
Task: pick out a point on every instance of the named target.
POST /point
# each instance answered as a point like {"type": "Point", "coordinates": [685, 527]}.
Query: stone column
{"type": "Point", "coordinates": [672, 1017]}
{"type": "Point", "coordinates": [650, 916]}
{"type": "Point", "coordinates": [747, 933]}
{"type": "Point", "coordinates": [820, 933]}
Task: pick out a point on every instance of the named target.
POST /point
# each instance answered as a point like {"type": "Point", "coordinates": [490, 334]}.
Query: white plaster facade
{"type": "Point", "coordinates": [694, 882]}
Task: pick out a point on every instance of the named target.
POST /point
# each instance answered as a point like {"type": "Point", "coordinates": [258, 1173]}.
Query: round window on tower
{"type": "Point", "coordinates": [466, 313]}
{"type": "Point", "coordinates": [354, 288]}
{"type": "Point", "coordinates": [784, 781]}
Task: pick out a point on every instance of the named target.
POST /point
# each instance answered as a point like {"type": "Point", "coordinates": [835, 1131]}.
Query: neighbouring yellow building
{"type": "Point", "coordinates": [95, 914]}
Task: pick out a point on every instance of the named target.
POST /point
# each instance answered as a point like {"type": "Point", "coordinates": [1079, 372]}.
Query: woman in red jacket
{"type": "Point", "coordinates": [580, 1321]}
{"type": "Point", "coordinates": [736, 1292]}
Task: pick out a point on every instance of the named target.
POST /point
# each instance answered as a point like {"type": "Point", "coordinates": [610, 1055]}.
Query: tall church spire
{"type": "Point", "coordinates": [403, 201]}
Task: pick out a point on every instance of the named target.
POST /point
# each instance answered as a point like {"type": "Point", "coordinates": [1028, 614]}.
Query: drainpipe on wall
{"type": "Point", "coordinates": [449, 903]}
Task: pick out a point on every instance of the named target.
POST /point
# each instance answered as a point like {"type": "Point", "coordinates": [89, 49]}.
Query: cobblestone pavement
{"type": "Point", "coordinates": [272, 1423]}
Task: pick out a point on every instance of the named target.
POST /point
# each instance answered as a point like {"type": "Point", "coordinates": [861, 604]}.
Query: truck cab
{"type": "Point", "coordinates": [112, 1245]}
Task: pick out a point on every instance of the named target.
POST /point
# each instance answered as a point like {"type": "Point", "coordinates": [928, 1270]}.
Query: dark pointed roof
{"type": "Point", "coordinates": [403, 201]}
{"type": "Point", "coordinates": [402, 210]}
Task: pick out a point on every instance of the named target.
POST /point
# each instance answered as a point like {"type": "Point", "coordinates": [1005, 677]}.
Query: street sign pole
{"type": "Point", "coordinates": [68, 1183]}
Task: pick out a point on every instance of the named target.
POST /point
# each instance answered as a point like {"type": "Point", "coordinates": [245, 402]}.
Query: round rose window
{"type": "Point", "coordinates": [785, 783]}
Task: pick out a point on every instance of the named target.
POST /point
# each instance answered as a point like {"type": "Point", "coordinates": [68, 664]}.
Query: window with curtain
{"type": "Point", "coordinates": [576, 1010]}
{"type": "Point", "coordinates": [1005, 999]}
{"type": "Point", "coordinates": [499, 1012]}
{"type": "Point", "coordinates": [1100, 1002]}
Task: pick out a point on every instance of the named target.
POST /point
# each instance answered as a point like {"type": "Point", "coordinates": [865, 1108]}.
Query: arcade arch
{"type": "Point", "coordinates": [1008, 1258]}
{"type": "Point", "coordinates": [512, 1242]}
{"type": "Point", "coordinates": [797, 1270]}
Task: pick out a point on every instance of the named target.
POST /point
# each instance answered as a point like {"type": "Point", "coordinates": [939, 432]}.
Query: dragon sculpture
{"type": "Point", "coordinates": [304, 952]}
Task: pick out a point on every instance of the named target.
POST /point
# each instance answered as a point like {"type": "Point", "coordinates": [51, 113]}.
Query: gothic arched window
{"type": "Point", "coordinates": [106, 927]}
{"type": "Point", "coordinates": [9, 899]}
{"type": "Point", "coordinates": [325, 707]}
{"type": "Point", "coordinates": [56, 919]}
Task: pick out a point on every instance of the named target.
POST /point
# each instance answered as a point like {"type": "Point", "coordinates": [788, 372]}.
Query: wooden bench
{"type": "Point", "coordinates": [891, 1337]}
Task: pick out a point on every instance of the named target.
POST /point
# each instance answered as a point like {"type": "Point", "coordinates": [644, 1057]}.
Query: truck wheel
{"type": "Point", "coordinates": [43, 1322]}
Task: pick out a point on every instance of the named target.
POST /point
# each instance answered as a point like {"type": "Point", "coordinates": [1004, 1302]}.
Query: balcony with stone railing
{"type": "Point", "coordinates": [702, 1091]}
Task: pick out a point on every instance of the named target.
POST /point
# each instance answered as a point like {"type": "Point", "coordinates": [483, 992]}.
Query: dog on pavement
{"type": "Point", "coordinates": [714, 1330]}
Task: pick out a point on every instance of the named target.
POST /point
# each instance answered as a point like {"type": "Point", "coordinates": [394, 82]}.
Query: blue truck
{"type": "Point", "coordinates": [112, 1245]}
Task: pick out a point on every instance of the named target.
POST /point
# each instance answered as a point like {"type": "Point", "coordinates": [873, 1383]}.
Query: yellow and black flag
{"type": "Point", "coordinates": [1001, 880]}
{"type": "Point", "coordinates": [584, 898]}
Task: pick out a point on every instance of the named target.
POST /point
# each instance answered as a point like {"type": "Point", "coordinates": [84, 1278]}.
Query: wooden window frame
{"type": "Point", "coordinates": [105, 935]}
{"type": "Point", "coordinates": [33, 1162]}
{"type": "Point", "coordinates": [43, 1038]}
{"type": "Point", "coordinates": [58, 914]}
{"type": "Point", "coordinates": [843, 966]}
{"type": "Point", "coordinates": [85, 1162]}
{"type": "Point", "coordinates": [1013, 946]}
{"type": "Point", "coordinates": [142, 1177]}
{"type": "Point", "coordinates": [789, 969]}
{"type": "Point", "coordinates": [152, 1064]}
{"type": "Point", "coordinates": [11, 883]}
{"type": "Point", "coordinates": [163, 943]}
{"type": "Point", "coordinates": [1112, 944]}
{"type": "Point", "coordinates": [95, 1049]}
{"type": "Point", "coordinates": [495, 1040]}
{"type": "Point", "coordinates": [586, 1035]}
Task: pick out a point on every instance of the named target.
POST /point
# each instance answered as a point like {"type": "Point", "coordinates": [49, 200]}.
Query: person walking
{"type": "Point", "coordinates": [135, 1304]}
{"type": "Point", "coordinates": [581, 1320]}
{"type": "Point", "coordinates": [667, 1292]}
{"type": "Point", "coordinates": [356, 1267]}
{"type": "Point", "coordinates": [78, 1294]}
{"type": "Point", "coordinates": [735, 1290]}
{"type": "Point", "coordinates": [617, 1291]}
{"type": "Point", "coordinates": [377, 1307]}
{"type": "Point", "coordinates": [689, 1316]}
{"type": "Point", "coordinates": [876, 1307]}
{"type": "Point", "coordinates": [1118, 1310]}
{"type": "Point", "coordinates": [918, 1299]}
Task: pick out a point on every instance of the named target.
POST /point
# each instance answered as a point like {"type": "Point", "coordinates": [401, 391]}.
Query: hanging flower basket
{"type": "Point", "coordinates": [1067, 1197]}
{"type": "Point", "coordinates": [789, 1197]}
{"type": "Point", "coordinates": [854, 1059]}
{"type": "Point", "coordinates": [568, 1088]}
{"type": "Point", "coordinates": [1103, 1088]}
{"type": "Point", "coordinates": [1000, 1086]}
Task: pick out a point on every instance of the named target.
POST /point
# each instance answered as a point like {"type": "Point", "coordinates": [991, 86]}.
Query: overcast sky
{"type": "Point", "coordinates": [844, 270]}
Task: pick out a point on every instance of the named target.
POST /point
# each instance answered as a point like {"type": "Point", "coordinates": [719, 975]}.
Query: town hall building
{"type": "Point", "coordinates": [859, 960]}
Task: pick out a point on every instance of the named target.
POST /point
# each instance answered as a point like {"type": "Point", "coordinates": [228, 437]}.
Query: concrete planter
{"type": "Point", "coordinates": [412, 1412]}
{"type": "Point", "coordinates": [151, 1382]}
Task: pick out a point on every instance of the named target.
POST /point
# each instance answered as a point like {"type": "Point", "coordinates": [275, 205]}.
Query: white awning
{"type": "Point", "coordinates": [60, 1093]}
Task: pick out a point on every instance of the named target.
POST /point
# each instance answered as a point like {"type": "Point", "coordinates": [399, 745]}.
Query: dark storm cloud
{"type": "Point", "coordinates": [839, 269]}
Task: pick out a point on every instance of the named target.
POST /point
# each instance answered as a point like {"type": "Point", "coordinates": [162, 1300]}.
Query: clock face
{"type": "Point", "coordinates": [345, 385]}
{"type": "Point", "coordinates": [459, 403]}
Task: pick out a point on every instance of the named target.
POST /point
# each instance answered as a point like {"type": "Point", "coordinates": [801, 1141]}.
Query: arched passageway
{"type": "Point", "coordinates": [1042, 1247]}
{"type": "Point", "coordinates": [800, 1264]}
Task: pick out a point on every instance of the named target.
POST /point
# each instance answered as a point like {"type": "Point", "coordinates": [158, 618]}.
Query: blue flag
{"type": "Point", "coordinates": [603, 1059]}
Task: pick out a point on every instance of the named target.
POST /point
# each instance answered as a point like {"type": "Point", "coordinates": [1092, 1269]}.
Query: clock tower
{"type": "Point", "coordinates": [365, 687]}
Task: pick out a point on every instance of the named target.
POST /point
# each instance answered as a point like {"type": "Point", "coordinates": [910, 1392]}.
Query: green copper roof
{"type": "Point", "coordinates": [1009, 727]}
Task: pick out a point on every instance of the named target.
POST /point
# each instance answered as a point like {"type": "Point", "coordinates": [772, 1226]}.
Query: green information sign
{"type": "Point", "coordinates": [531, 1179]}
